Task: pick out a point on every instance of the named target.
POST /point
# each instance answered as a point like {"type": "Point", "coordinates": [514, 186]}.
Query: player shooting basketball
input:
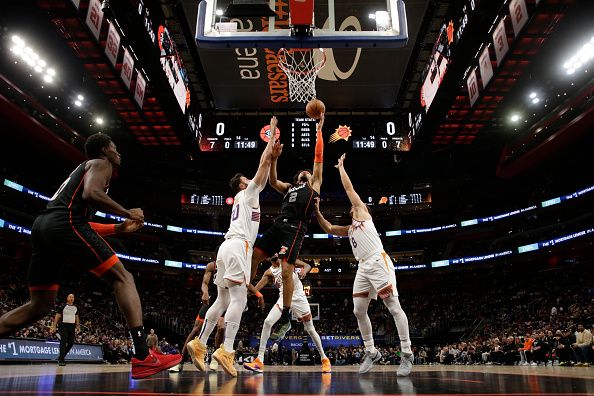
{"type": "Point", "coordinates": [286, 234]}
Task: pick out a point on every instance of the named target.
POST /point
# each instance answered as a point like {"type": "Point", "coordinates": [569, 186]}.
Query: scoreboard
{"type": "Point", "coordinates": [250, 133]}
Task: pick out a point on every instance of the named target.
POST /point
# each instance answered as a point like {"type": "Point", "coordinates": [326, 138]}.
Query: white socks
{"type": "Point", "coordinates": [360, 310]}
{"type": "Point", "coordinates": [273, 317]}
{"type": "Point", "coordinates": [237, 303]}
{"type": "Point", "coordinates": [213, 314]}
{"type": "Point", "coordinates": [401, 321]}
{"type": "Point", "coordinates": [309, 327]}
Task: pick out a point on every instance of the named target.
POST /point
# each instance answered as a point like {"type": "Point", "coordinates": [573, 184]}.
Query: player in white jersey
{"type": "Point", "coordinates": [234, 264]}
{"type": "Point", "coordinates": [375, 275]}
{"type": "Point", "coordinates": [299, 306]}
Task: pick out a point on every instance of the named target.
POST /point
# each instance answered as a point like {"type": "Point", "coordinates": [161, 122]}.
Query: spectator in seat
{"type": "Point", "coordinates": [540, 350]}
{"type": "Point", "coordinates": [525, 351]}
{"type": "Point", "coordinates": [582, 346]}
{"type": "Point", "coordinates": [562, 345]}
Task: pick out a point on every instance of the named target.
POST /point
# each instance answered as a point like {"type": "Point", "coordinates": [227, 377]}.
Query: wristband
{"type": "Point", "coordinates": [258, 294]}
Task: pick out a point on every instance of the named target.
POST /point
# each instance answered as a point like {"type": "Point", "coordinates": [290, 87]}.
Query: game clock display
{"type": "Point", "coordinates": [249, 133]}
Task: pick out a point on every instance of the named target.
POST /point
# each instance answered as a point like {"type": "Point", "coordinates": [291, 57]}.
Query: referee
{"type": "Point", "coordinates": [68, 328]}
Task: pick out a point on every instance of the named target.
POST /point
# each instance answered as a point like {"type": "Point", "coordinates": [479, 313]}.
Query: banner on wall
{"type": "Point", "coordinates": [19, 349]}
{"type": "Point", "coordinates": [95, 18]}
{"type": "Point", "coordinates": [328, 341]}
{"type": "Point", "coordinates": [519, 15]}
{"type": "Point", "coordinates": [140, 88]}
{"type": "Point", "coordinates": [473, 91]}
{"type": "Point", "coordinates": [127, 68]}
{"type": "Point", "coordinates": [500, 41]}
{"type": "Point", "coordinates": [485, 67]}
{"type": "Point", "coordinates": [112, 46]}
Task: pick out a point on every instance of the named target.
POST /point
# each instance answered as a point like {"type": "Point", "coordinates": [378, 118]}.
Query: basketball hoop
{"type": "Point", "coordinates": [302, 65]}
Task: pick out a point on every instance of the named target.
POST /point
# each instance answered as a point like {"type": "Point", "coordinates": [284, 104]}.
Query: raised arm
{"type": "Point", "coordinates": [325, 224]}
{"type": "Point", "coordinates": [278, 185]}
{"type": "Point", "coordinates": [266, 157]}
{"type": "Point", "coordinates": [316, 181]}
{"type": "Point", "coordinates": [361, 212]}
{"type": "Point", "coordinates": [96, 178]}
{"type": "Point", "coordinates": [208, 271]}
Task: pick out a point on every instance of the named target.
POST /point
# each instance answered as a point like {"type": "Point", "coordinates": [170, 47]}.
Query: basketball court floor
{"type": "Point", "coordinates": [81, 379]}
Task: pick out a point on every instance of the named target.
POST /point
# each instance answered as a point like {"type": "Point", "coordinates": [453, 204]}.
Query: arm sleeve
{"type": "Point", "coordinates": [103, 229]}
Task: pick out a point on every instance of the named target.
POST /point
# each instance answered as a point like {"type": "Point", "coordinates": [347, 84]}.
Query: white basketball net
{"type": "Point", "coordinates": [301, 65]}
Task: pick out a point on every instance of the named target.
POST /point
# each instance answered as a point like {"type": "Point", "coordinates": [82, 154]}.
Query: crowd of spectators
{"type": "Point", "coordinates": [496, 313]}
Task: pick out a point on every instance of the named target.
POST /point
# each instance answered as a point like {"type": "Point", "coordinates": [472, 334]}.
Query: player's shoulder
{"type": "Point", "coordinates": [98, 164]}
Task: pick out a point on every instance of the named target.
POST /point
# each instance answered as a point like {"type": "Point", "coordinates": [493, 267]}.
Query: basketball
{"type": "Point", "coordinates": [315, 108]}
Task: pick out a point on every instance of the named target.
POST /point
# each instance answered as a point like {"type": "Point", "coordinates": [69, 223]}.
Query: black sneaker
{"type": "Point", "coordinates": [61, 363]}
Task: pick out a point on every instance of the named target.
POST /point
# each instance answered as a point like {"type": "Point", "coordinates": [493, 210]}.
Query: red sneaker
{"type": "Point", "coordinates": [153, 364]}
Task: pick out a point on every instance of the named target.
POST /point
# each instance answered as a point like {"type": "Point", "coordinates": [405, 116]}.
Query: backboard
{"type": "Point", "coordinates": [246, 75]}
{"type": "Point", "coordinates": [335, 24]}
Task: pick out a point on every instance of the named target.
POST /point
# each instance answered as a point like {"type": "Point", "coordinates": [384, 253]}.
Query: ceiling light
{"type": "Point", "coordinates": [51, 72]}
{"type": "Point", "coordinates": [38, 69]}
{"type": "Point", "coordinates": [371, 16]}
{"type": "Point", "coordinates": [80, 97]}
{"type": "Point", "coordinates": [99, 120]}
{"type": "Point", "coordinates": [78, 103]}
{"type": "Point", "coordinates": [17, 40]}
{"type": "Point", "coordinates": [533, 95]}
{"type": "Point", "coordinates": [571, 71]}
{"type": "Point", "coordinates": [219, 12]}
{"type": "Point", "coordinates": [535, 100]}
{"type": "Point", "coordinates": [515, 118]}
{"type": "Point", "coordinates": [48, 78]}
{"type": "Point", "coordinates": [41, 63]}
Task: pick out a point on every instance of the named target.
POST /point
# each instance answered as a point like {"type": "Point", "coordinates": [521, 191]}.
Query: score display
{"type": "Point", "coordinates": [383, 137]}
{"type": "Point", "coordinates": [379, 133]}
{"type": "Point", "coordinates": [215, 135]}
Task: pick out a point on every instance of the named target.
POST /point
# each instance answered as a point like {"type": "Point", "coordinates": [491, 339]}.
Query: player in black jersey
{"type": "Point", "coordinates": [286, 234]}
{"type": "Point", "coordinates": [63, 236]}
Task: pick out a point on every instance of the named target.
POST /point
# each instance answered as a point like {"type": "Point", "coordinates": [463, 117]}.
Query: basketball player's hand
{"type": "Point", "coordinates": [136, 214]}
{"type": "Point", "coordinates": [205, 298]}
{"type": "Point", "coordinates": [277, 149]}
{"type": "Point", "coordinates": [273, 122]}
{"type": "Point", "coordinates": [261, 303]}
{"type": "Point", "coordinates": [340, 161]}
{"type": "Point", "coordinates": [130, 225]}
{"type": "Point", "coordinates": [321, 123]}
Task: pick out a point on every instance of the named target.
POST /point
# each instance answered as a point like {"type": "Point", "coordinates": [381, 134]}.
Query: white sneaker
{"type": "Point", "coordinates": [178, 368]}
{"type": "Point", "coordinates": [214, 365]}
{"type": "Point", "coordinates": [534, 364]}
{"type": "Point", "coordinates": [368, 361]}
{"type": "Point", "coordinates": [406, 364]}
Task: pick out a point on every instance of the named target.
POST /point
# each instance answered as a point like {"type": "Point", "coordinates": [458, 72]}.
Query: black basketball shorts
{"type": "Point", "coordinates": [61, 243]}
